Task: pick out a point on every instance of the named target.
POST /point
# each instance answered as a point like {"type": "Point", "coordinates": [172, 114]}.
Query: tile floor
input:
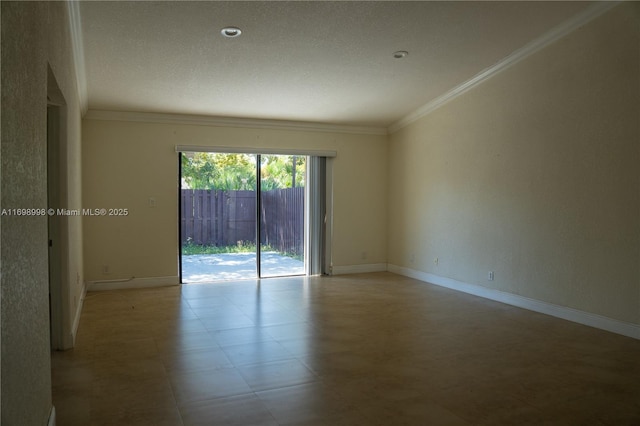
{"type": "Point", "coordinates": [370, 349]}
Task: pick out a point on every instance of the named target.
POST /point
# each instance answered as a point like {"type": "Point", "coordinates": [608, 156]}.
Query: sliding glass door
{"type": "Point", "coordinates": [235, 225]}
{"type": "Point", "coordinates": [282, 215]}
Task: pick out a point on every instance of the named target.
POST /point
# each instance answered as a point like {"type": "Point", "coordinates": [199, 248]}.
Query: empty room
{"type": "Point", "coordinates": [320, 213]}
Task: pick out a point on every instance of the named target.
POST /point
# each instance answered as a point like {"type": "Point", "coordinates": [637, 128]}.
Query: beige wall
{"type": "Point", "coordinates": [126, 163]}
{"type": "Point", "coordinates": [534, 175]}
{"type": "Point", "coordinates": [33, 34]}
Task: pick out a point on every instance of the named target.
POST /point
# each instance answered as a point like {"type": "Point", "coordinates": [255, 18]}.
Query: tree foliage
{"type": "Point", "coordinates": [203, 170]}
{"type": "Point", "coordinates": [278, 171]}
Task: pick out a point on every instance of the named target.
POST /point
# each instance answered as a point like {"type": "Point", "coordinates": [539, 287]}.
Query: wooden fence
{"type": "Point", "coordinates": [226, 218]}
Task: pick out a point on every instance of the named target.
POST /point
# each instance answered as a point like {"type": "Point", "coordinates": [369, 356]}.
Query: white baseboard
{"type": "Point", "coordinates": [132, 283]}
{"type": "Point", "coordinates": [570, 314]}
{"type": "Point", "coordinates": [52, 416]}
{"type": "Point", "coordinates": [358, 269]}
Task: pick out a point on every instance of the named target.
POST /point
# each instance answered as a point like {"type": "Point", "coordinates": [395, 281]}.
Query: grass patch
{"type": "Point", "coordinates": [242, 247]}
{"type": "Point", "coordinates": [190, 248]}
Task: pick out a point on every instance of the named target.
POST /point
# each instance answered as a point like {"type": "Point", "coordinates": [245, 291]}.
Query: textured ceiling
{"type": "Point", "coordinates": [325, 62]}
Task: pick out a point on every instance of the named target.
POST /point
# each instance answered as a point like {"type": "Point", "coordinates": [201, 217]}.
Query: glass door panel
{"type": "Point", "coordinates": [218, 217]}
{"type": "Point", "coordinates": [282, 227]}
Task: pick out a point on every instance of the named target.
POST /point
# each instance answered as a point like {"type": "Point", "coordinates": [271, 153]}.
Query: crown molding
{"type": "Point", "coordinates": [570, 25]}
{"type": "Point", "coordinates": [77, 46]}
{"type": "Point", "coordinates": [204, 120]}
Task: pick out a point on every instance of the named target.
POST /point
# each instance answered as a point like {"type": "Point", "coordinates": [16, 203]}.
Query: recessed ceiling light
{"type": "Point", "coordinates": [400, 54]}
{"type": "Point", "coordinates": [231, 32]}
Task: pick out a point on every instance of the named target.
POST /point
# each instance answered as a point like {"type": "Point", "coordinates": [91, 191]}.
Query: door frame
{"type": "Point", "coordinates": [57, 239]}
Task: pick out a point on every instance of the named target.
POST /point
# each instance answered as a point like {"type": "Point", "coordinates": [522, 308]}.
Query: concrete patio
{"type": "Point", "coordinates": [202, 268]}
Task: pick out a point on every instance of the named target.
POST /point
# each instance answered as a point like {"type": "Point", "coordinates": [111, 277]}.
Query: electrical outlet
{"type": "Point", "coordinates": [106, 270]}
{"type": "Point", "coordinates": [436, 260]}
{"type": "Point", "coordinates": [412, 257]}
{"type": "Point", "coordinates": [490, 277]}
{"type": "Point", "coordinates": [363, 255]}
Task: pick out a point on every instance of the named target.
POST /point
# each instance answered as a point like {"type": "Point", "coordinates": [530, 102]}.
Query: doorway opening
{"type": "Point", "coordinates": [242, 216]}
